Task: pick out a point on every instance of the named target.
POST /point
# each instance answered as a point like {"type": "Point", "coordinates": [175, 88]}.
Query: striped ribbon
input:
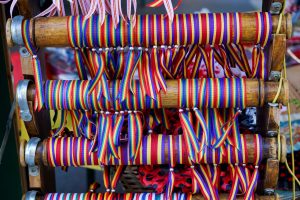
{"type": "Point", "coordinates": [206, 93]}
{"type": "Point", "coordinates": [259, 57]}
{"type": "Point", "coordinates": [75, 151]}
{"type": "Point", "coordinates": [255, 174]}
{"type": "Point", "coordinates": [115, 196]}
{"type": "Point", "coordinates": [38, 78]}
{"type": "Point", "coordinates": [204, 28]}
{"type": "Point", "coordinates": [106, 177]}
{"type": "Point", "coordinates": [212, 93]}
{"type": "Point", "coordinates": [171, 176]}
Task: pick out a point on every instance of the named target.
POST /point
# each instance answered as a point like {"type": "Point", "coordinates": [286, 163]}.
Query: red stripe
{"type": "Point", "coordinates": [204, 28]}
{"type": "Point", "coordinates": [175, 32]}
{"type": "Point", "coordinates": [218, 28]}
{"type": "Point", "coordinates": [57, 152]}
{"type": "Point", "coordinates": [151, 24]}
{"type": "Point", "coordinates": [231, 32]}
{"type": "Point", "coordinates": [154, 141]}
{"type": "Point", "coordinates": [65, 153]}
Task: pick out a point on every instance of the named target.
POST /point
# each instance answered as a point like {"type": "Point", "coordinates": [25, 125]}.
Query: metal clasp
{"type": "Point", "coordinates": [30, 151]}
{"type": "Point", "coordinates": [16, 30]}
{"type": "Point", "coordinates": [31, 195]}
{"type": "Point", "coordinates": [274, 76]}
{"type": "Point", "coordinates": [276, 8]}
{"type": "Point", "coordinates": [22, 100]}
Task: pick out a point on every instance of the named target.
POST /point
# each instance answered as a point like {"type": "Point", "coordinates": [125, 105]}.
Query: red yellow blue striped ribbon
{"type": "Point", "coordinates": [38, 79]}
{"type": "Point", "coordinates": [75, 151]}
{"type": "Point", "coordinates": [171, 176]}
{"type": "Point", "coordinates": [115, 196]}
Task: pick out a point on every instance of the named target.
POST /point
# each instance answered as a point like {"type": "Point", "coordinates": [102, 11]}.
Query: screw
{"type": "Point", "coordinates": [275, 8]}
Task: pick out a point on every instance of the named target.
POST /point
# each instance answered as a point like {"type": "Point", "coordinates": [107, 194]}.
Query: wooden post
{"type": "Point", "coordinates": [268, 121]}
{"type": "Point", "coordinates": [276, 56]}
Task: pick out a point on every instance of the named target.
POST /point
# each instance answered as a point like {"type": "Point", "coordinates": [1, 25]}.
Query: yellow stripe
{"type": "Point", "coordinates": [177, 28]}
{"type": "Point", "coordinates": [200, 32]}
{"type": "Point", "coordinates": [222, 29]}
{"type": "Point", "coordinates": [149, 152]}
{"type": "Point", "coordinates": [215, 28]}
{"type": "Point", "coordinates": [159, 150]}
{"type": "Point", "coordinates": [207, 25]}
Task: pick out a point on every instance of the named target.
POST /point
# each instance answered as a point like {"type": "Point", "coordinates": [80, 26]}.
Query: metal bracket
{"type": "Point", "coordinates": [275, 8]}
{"type": "Point", "coordinates": [16, 30]}
{"type": "Point", "coordinates": [269, 191]}
{"type": "Point", "coordinates": [271, 133]}
{"type": "Point", "coordinates": [30, 156]}
{"type": "Point", "coordinates": [24, 52]}
{"type": "Point", "coordinates": [273, 104]}
{"type": "Point", "coordinates": [274, 76]}
{"type": "Point", "coordinates": [22, 100]}
{"type": "Point", "coordinates": [31, 195]}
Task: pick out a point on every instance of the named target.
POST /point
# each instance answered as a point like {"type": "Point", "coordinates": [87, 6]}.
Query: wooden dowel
{"type": "Point", "coordinates": [52, 31]}
{"type": "Point", "coordinates": [222, 196]}
{"type": "Point", "coordinates": [258, 93]}
{"type": "Point", "coordinates": [269, 147]}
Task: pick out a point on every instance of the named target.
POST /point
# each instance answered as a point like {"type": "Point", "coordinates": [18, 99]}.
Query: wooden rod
{"type": "Point", "coordinates": [258, 93]}
{"type": "Point", "coordinates": [52, 31]}
{"type": "Point", "coordinates": [223, 196]}
{"type": "Point", "coordinates": [269, 148]}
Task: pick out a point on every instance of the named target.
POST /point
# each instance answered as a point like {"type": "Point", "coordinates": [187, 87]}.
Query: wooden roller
{"type": "Point", "coordinates": [258, 93]}
{"type": "Point", "coordinates": [270, 150]}
{"type": "Point", "coordinates": [222, 196]}
{"type": "Point", "coordinates": [52, 31]}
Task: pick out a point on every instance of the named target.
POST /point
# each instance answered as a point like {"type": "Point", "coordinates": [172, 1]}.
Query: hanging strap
{"type": "Point", "coordinates": [38, 78]}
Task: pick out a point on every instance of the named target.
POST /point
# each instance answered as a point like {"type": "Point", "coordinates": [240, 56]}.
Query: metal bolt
{"type": "Point", "coordinates": [276, 8]}
{"type": "Point", "coordinates": [269, 191]}
{"type": "Point", "coordinates": [23, 52]}
{"type": "Point", "coordinates": [272, 133]}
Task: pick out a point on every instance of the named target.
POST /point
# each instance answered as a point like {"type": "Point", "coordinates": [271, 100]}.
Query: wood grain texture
{"type": "Point", "coordinates": [271, 174]}
{"type": "Point", "coordinates": [52, 31]}
{"type": "Point", "coordinates": [268, 119]}
{"type": "Point", "coordinates": [277, 52]}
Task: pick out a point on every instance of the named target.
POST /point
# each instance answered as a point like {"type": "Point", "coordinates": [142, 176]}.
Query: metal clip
{"type": "Point", "coordinates": [16, 30]}
{"type": "Point", "coordinates": [269, 191]}
{"type": "Point", "coordinates": [275, 8]}
{"type": "Point", "coordinates": [273, 104]}
{"type": "Point", "coordinates": [24, 52]}
{"type": "Point", "coordinates": [22, 100]}
{"type": "Point", "coordinates": [274, 76]}
{"type": "Point", "coordinates": [30, 156]}
{"type": "Point", "coordinates": [31, 195]}
{"type": "Point", "coordinates": [271, 133]}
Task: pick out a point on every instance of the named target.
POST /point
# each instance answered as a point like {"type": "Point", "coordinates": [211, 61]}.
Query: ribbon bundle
{"type": "Point", "coordinates": [76, 153]}
{"type": "Point", "coordinates": [201, 93]}
{"type": "Point", "coordinates": [104, 196]}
